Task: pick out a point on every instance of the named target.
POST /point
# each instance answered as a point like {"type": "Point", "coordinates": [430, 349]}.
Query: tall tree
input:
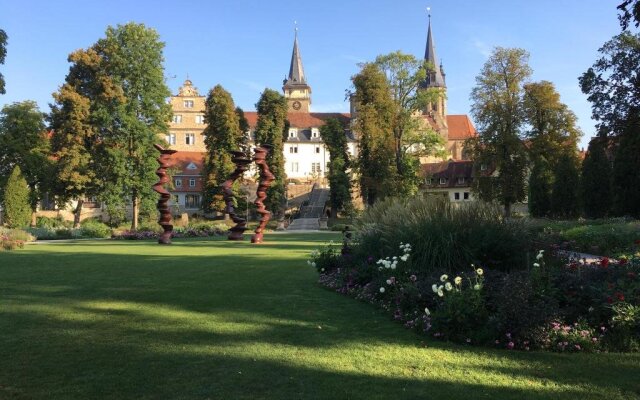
{"type": "Point", "coordinates": [612, 84]}
{"type": "Point", "coordinates": [73, 144]}
{"type": "Point", "coordinates": [271, 129]}
{"type": "Point", "coordinates": [629, 12]}
{"type": "Point", "coordinates": [24, 142]}
{"type": "Point", "coordinates": [3, 54]}
{"type": "Point", "coordinates": [221, 136]}
{"type": "Point", "coordinates": [333, 136]}
{"type": "Point", "coordinates": [15, 203]}
{"type": "Point", "coordinates": [123, 77]}
{"type": "Point", "coordinates": [552, 127]}
{"type": "Point", "coordinates": [412, 137]}
{"type": "Point", "coordinates": [244, 128]}
{"type": "Point", "coordinates": [540, 184]}
{"type": "Point", "coordinates": [626, 164]}
{"type": "Point", "coordinates": [595, 185]}
{"type": "Point", "coordinates": [498, 112]}
{"type": "Point", "coordinates": [374, 112]}
{"type": "Point", "coordinates": [566, 182]}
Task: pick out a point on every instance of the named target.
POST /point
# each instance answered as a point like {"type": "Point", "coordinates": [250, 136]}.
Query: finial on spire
{"type": "Point", "coordinates": [429, 12]}
{"type": "Point", "coordinates": [295, 27]}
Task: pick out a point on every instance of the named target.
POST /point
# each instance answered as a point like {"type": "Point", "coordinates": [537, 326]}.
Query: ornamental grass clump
{"type": "Point", "coordinates": [444, 235]}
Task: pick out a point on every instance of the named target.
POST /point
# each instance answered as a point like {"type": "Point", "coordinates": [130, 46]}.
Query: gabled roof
{"type": "Point", "coordinates": [185, 161]}
{"type": "Point", "coordinates": [302, 120]}
{"type": "Point", "coordinates": [460, 127]}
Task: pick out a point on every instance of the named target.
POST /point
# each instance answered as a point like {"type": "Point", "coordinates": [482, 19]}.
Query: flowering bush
{"type": "Point", "coordinates": [12, 239]}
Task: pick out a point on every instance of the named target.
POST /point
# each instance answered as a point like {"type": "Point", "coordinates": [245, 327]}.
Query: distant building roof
{"type": "Point", "coordinates": [450, 171]}
{"type": "Point", "coordinates": [460, 127]}
{"type": "Point", "coordinates": [302, 120]}
{"type": "Point", "coordinates": [188, 162]}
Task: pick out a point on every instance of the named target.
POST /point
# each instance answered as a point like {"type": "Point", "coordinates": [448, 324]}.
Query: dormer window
{"type": "Point", "coordinates": [293, 133]}
{"type": "Point", "coordinates": [315, 132]}
{"type": "Point", "coordinates": [443, 181]}
{"type": "Point", "coordinates": [192, 166]}
{"type": "Point", "coordinates": [461, 180]}
{"type": "Point", "coordinates": [483, 167]}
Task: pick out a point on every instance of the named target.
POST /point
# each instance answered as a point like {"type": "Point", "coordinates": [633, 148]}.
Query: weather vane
{"type": "Point", "coordinates": [295, 26]}
{"type": "Point", "coordinates": [429, 12]}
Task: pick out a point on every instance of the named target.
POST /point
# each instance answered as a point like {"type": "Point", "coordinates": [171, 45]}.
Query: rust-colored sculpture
{"type": "Point", "coordinates": [266, 177]}
{"type": "Point", "coordinates": [163, 208]}
{"type": "Point", "coordinates": [242, 164]}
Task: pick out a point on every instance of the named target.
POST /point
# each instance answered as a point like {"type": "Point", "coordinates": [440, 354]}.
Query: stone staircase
{"type": "Point", "coordinates": [311, 213]}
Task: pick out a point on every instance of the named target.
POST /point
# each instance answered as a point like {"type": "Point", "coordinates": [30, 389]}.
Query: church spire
{"type": "Point", "coordinates": [435, 78]}
{"type": "Point", "coordinates": [296, 72]}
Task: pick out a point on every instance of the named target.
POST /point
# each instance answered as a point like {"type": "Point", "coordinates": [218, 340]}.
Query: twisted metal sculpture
{"type": "Point", "coordinates": [266, 177]}
{"type": "Point", "coordinates": [163, 208]}
{"type": "Point", "coordinates": [242, 164]}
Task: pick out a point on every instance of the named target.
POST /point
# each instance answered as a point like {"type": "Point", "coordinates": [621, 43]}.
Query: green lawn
{"type": "Point", "coordinates": [213, 319]}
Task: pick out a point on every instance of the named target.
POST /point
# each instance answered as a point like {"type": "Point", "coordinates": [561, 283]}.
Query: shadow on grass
{"type": "Point", "coordinates": [229, 324]}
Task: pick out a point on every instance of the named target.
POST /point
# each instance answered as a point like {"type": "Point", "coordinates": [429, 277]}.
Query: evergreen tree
{"type": "Point", "coordinates": [374, 112]}
{"type": "Point", "coordinates": [540, 183]}
{"type": "Point", "coordinates": [626, 167]}
{"type": "Point", "coordinates": [3, 54]}
{"type": "Point", "coordinates": [595, 185]}
{"type": "Point", "coordinates": [24, 142]}
{"type": "Point", "coordinates": [17, 210]}
{"type": "Point", "coordinates": [333, 136]}
{"type": "Point", "coordinates": [498, 112]}
{"type": "Point", "coordinates": [244, 128]}
{"type": "Point", "coordinates": [72, 144]}
{"type": "Point", "coordinates": [221, 136]}
{"type": "Point", "coordinates": [271, 129]}
{"type": "Point", "coordinates": [566, 181]}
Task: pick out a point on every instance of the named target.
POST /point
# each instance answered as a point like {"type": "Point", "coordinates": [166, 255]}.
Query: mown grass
{"type": "Point", "coordinates": [212, 319]}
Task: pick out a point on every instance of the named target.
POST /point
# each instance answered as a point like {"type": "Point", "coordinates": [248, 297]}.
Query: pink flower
{"type": "Point", "coordinates": [510, 345]}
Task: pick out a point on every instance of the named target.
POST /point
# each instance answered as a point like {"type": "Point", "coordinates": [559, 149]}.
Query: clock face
{"type": "Point", "coordinates": [296, 105]}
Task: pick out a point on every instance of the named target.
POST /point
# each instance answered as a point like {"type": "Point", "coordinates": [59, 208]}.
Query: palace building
{"type": "Point", "coordinates": [306, 157]}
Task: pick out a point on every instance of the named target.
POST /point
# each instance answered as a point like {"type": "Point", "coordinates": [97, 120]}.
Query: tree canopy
{"type": "Point", "coordinates": [3, 54]}
{"type": "Point", "coordinates": [15, 203]}
{"type": "Point", "coordinates": [333, 135]}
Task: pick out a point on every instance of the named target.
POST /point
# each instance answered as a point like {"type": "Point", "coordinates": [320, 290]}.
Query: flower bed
{"type": "Point", "coordinates": [12, 239]}
{"type": "Point", "coordinates": [556, 305]}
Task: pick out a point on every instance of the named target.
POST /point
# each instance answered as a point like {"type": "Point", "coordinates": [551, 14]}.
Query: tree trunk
{"type": "Point", "coordinates": [507, 210]}
{"type": "Point", "coordinates": [135, 210]}
{"type": "Point", "coordinates": [76, 214]}
{"type": "Point", "coordinates": [34, 220]}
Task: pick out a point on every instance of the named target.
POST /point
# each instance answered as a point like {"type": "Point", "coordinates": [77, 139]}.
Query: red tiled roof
{"type": "Point", "coordinates": [182, 159]}
{"type": "Point", "coordinates": [460, 127]}
{"type": "Point", "coordinates": [450, 170]}
{"type": "Point", "coordinates": [301, 120]}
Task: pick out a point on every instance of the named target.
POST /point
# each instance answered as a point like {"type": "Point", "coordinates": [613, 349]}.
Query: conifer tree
{"type": "Point", "coordinates": [333, 136]}
{"type": "Point", "coordinates": [17, 210]}
{"type": "Point", "coordinates": [271, 129]}
{"type": "Point", "coordinates": [626, 167]}
{"type": "Point", "coordinates": [595, 185]}
{"type": "Point", "coordinates": [221, 136]}
{"type": "Point", "coordinates": [566, 181]}
{"type": "Point", "coordinates": [540, 183]}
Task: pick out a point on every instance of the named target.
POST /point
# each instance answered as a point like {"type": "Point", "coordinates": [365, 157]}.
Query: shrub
{"type": "Point", "coordinates": [11, 239]}
{"type": "Point", "coordinates": [444, 235]}
{"type": "Point", "coordinates": [92, 228]}
{"type": "Point", "coordinates": [43, 233]}
{"type": "Point", "coordinates": [53, 223]}
{"type": "Point", "coordinates": [16, 206]}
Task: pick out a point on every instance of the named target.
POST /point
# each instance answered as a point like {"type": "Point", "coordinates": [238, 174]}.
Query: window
{"type": "Point", "coordinates": [483, 167]}
{"type": "Point", "coordinates": [315, 168]}
{"type": "Point", "coordinates": [192, 201]}
{"type": "Point", "coordinates": [293, 132]}
{"type": "Point", "coordinates": [293, 149]}
{"type": "Point", "coordinates": [199, 119]}
{"type": "Point", "coordinates": [317, 149]}
{"type": "Point", "coordinates": [456, 196]}
{"type": "Point", "coordinates": [190, 139]}
{"type": "Point", "coordinates": [192, 165]}
{"type": "Point", "coordinates": [192, 182]}
{"type": "Point", "coordinates": [177, 119]}
{"type": "Point", "coordinates": [461, 180]}
{"type": "Point", "coordinates": [294, 167]}
{"type": "Point", "coordinates": [171, 138]}
{"type": "Point", "coordinates": [429, 181]}
{"type": "Point", "coordinates": [466, 195]}
{"type": "Point", "coordinates": [443, 181]}
{"type": "Point", "coordinates": [178, 182]}
{"type": "Point", "coordinates": [176, 200]}
{"type": "Point", "coordinates": [188, 103]}
{"type": "Point", "coordinates": [315, 132]}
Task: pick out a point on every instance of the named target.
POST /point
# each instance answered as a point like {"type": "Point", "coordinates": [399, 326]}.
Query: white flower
{"type": "Point", "coordinates": [379, 268]}
{"type": "Point", "coordinates": [395, 258]}
{"type": "Point", "coordinates": [381, 290]}
{"type": "Point", "coordinates": [308, 262]}
{"type": "Point", "coordinates": [322, 270]}
{"type": "Point", "coordinates": [426, 311]}
{"type": "Point", "coordinates": [393, 265]}
{"type": "Point", "coordinates": [539, 256]}
{"type": "Point", "coordinates": [388, 281]}
{"type": "Point", "coordinates": [440, 292]}
{"type": "Point", "coordinates": [479, 271]}
{"type": "Point", "coordinates": [404, 257]}
{"type": "Point", "coordinates": [313, 264]}
{"type": "Point", "coordinates": [448, 286]}
{"type": "Point", "coordinates": [476, 286]}
{"type": "Point", "coordinates": [444, 277]}
{"type": "Point", "coordinates": [457, 280]}
{"type": "Point", "coordinates": [536, 264]}
{"type": "Point", "coordinates": [434, 287]}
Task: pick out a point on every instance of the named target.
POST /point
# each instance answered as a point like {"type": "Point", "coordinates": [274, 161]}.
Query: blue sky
{"type": "Point", "coordinates": [245, 45]}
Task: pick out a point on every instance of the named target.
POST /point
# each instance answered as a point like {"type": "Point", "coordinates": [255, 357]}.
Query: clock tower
{"type": "Point", "coordinates": [296, 90]}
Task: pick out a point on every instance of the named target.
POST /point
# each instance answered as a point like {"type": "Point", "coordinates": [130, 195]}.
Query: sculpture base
{"type": "Point", "coordinates": [235, 236]}
{"type": "Point", "coordinates": [257, 238]}
{"type": "Point", "coordinates": [164, 240]}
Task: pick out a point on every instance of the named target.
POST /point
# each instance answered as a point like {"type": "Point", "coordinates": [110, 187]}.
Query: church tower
{"type": "Point", "coordinates": [435, 80]}
{"type": "Point", "coordinates": [296, 90]}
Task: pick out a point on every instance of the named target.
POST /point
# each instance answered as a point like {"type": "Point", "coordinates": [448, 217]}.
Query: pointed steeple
{"type": "Point", "coordinates": [435, 78]}
{"type": "Point", "coordinates": [296, 72]}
